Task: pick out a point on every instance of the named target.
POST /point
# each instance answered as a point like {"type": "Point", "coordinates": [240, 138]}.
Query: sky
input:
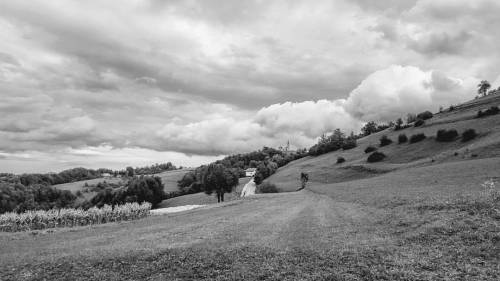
{"type": "Point", "coordinates": [118, 83]}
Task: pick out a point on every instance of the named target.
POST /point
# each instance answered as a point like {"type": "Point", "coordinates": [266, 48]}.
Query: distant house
{"type": "Point", "coordinates": [106, 175]}
{"type": "Point", "coordinates": [250, 172]}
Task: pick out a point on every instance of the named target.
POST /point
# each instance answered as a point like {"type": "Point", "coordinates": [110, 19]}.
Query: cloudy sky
{"type": "Point", "coordinates": [117, 83]}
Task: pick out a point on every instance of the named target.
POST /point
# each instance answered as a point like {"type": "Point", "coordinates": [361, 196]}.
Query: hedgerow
{"type": "Point", "coordinates": [468, 135]}
{"type": "Point", "coordinates": [446, 135]}
{"type": "Point", "coordinates": [417, 137]}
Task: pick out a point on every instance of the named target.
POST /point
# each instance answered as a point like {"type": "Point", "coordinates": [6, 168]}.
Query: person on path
{"type": "Point", "coordinates": [304, 178]}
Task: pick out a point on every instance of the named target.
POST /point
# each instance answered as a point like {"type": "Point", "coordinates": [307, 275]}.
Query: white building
{"type": "Point", "coordinates": [250, 172]}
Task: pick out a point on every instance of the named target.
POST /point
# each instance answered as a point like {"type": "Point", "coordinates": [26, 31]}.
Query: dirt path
{"type": "Point", "coordinates": [285, 221]}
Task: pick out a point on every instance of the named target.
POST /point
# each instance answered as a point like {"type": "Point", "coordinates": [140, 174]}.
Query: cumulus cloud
{"type": "Point", "coordinates": [393, 92]}
{"type": "Point", "coordinates": [214, 78]}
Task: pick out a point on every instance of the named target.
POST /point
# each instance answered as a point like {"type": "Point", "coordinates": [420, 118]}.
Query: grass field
{"type": "Point", "coordinates": [169, 179]}
{"type": "Point", "coordinates": [421, 214]}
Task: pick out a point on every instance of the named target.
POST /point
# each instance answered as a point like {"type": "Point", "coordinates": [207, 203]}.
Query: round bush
{"type": "Point", "coordinates": [425, 115]}
{"type": "Point", "coordinates": [402, 138]}
{"type": "Point", "coordinates": [370, 149]}
{"type": "Point", "coordinates": [376, 157]}
{"type": "Point", "coordinates": [468, 135]}
{"type": "Point", "coordinates": [417, 138]}
{"type": "Point", "coordinates": [446, 135]}
{"type": "Point", "coordinates": [384, 140]}
{"type": "Point", "coordinates": [340, 160]}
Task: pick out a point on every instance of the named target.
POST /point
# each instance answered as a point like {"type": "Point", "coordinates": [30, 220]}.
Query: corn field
{"type": "Point", "coordinates": [32, 220]}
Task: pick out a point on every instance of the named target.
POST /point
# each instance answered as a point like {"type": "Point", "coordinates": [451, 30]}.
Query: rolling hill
{"type": "Point", "coordinates": [423, 213]}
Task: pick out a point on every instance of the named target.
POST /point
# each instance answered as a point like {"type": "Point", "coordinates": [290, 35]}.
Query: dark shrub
{"type": "Point", "coordinates": [417, 137]}
{"type": "Point", "coordinates": [340, 160]}
{"type": "Point", "coordinates": [402, 138]}
{"type": "Point", "coordinates": [490, 111]}
{"type": "Point", "coordinates": [384, 140]}
{"type": "Point", "coordinates": [446, 135]}
{"type": "Point", "coordinates": [425, 115]}
{"type": "Point", "coordinates": [376, 157]}
{"type": "Point", "coordinates": [468, 135]}
{"type": "Point", "coordinates": [370, 149]}
{"type": "Point", "coordinates": [349, 144]}
{"type": "Point", "coordinates": [419, 123]}
{"type": "Point", "coordinates": [267, 187]}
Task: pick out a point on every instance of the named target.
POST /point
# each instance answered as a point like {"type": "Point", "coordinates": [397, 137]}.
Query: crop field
{"type": "Point", "coordinates": [33, 220]}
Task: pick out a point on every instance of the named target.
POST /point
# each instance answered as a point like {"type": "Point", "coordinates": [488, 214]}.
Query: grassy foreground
{"type": "Point", "coordinates": [273, 237]}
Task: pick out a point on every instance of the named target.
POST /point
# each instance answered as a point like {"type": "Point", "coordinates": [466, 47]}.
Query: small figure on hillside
{"type": "Point", "coordinates": [304, 178]}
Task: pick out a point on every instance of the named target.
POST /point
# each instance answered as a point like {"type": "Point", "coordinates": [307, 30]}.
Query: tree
{"type": "Point", "coordinates": [130, 171]}
{"type": "Point", "coordinates": [399, 123]}
{"type": "Point", "coordinates": [220, 180]}
{"type": "Point", "coordinates": [369, 128]}
{"type": "Point", "coordinates": [410, 118]}
{"type": "Point", "coordinates": [483, 87]}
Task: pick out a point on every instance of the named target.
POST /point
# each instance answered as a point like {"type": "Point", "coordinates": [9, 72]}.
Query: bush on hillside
{"type": "Point", "coordinates": [446, 135]}
{"type": "Point", "coordinates": [417, 137]}
{"type": "Point", "coordinates": [402, 138]}
{"type": "Point", "coordinates": [490, 111]}
{"type": "Point", "coordinates": [419, 123]}
{"type": "Point", "coordinates": [468, 135]}
{"type": "Point", "coordinates": [384, 140]}
{"type": "Point", "coordinates": [267, 187]}
{"type": "Point", "coordinates": [425, 115]}
{"type": "Point", "coordinates": [349, 144]}
{"type": "Point", "coordinates": [370, 149]}
{"type": "Point", "coordinates": [340, 160]}
{"type": "Point", "coordinates": [376, 157]}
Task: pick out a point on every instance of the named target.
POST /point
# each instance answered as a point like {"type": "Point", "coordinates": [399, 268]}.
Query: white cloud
{"type": "Point", "coordinates": [393, 92]}
{"type": "Point", "coordinates": [216, 78]}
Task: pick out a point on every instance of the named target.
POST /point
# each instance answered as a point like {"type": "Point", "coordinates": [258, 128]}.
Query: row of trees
{"type": "Point", "coordinates": [337, 140]}
{"type": "Point", "coordinates": [148, 170]}
{"type": "Point", "coordinates": [79, 174]}
{"type": "Point", "coordinates": [16, 197]}
{"type": "Point", "coordinates": [138, 189]}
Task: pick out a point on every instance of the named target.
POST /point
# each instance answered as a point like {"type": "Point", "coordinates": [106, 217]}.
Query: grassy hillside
{"type": "Point", "coordinates": [428, 152]}
{"type": "Point", "coordinates": [421, 214]}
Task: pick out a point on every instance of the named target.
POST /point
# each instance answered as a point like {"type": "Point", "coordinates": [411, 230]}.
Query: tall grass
{"type": "Point", "coordinates": [41, 219]}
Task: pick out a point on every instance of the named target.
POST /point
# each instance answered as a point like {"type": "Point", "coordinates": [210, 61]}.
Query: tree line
{"type": "Point", "coordinates": [266, 161]}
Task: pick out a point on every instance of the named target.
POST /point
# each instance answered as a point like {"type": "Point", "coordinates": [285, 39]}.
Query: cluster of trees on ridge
{"type": "Point", "coordinates": [266, 161]}
{"type": "Point", "coordinates": [339, 140]}
{"type": "Point", "coordinates": [79, 174]}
